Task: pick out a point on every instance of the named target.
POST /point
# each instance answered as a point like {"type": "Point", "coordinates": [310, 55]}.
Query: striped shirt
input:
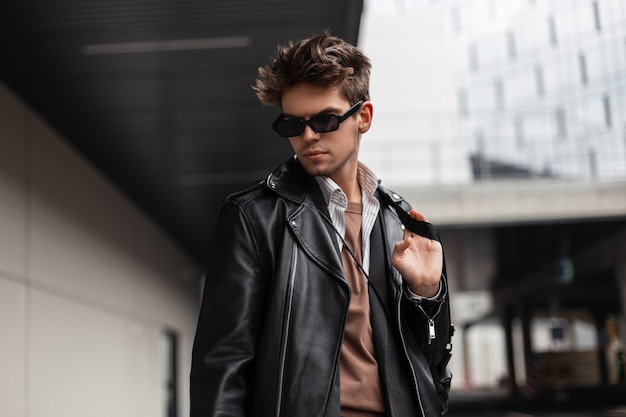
{"type": "Point", "coordinates": [338, 202]}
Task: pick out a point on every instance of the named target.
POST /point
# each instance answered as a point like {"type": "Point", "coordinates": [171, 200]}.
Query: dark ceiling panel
{"type": "Point", "coordinates": [135, 87]}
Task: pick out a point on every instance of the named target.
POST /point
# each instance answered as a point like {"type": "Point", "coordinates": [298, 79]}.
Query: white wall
{"type": "Point", "coordinates": [415, 137]}
{"type": "Point", "coordinates": [87, 285]}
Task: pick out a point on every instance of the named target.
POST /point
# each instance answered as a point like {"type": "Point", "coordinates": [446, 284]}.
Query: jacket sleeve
{"type": "Point", "coordinates": [230, 319]}
{"type": "Point", "coordinates": [420, 316]}
{"type": "Point", "coordinates": [429, 322]}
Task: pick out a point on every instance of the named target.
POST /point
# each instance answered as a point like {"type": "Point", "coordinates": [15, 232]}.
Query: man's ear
{"type": "Point", "coordinates": [366, 112]}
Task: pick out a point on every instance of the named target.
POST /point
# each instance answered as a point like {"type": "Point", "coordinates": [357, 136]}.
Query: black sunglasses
{"type": "Point", "coordinates": [322, 123]}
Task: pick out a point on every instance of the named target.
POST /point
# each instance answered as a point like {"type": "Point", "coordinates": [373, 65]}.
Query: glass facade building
{"type": "Point", "coordinates": [541, 84]}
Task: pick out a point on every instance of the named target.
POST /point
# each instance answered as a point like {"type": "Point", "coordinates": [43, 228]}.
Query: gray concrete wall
{"type": "Point", "coordinates": [513, 202]}
{"type": "Point", "coordinates": [88, 285]}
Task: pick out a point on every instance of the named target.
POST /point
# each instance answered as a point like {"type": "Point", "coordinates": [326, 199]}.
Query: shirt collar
{"type": "Point", "coordinates": [332, 192]}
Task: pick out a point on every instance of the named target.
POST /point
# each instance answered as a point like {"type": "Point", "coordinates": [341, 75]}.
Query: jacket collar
{"type": "Point", "coordinates": [293, 183]}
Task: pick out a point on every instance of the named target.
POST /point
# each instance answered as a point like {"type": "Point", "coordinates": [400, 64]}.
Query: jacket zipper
{"type": "Point", "coordinates": [283, 348]}
{"type": "Point", "coordinates": [431, 338]}
{"type": "Point", "coordinates": [431, 323]}
{"type": "Point", "coordinates": [406, 353]}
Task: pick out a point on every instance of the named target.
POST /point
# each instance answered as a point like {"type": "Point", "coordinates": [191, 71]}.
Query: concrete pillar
{"type": "Point", "coordinates": [533, 380]}
{"type": "Point", "coordinates": [507, 321]}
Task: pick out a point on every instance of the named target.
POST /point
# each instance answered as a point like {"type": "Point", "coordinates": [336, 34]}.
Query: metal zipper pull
{"type": "Point", "coordinates": [431, 330]}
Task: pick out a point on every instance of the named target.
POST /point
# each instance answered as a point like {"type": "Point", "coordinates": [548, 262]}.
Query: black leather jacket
{"type": "Point", "coordinates": [275, 302]}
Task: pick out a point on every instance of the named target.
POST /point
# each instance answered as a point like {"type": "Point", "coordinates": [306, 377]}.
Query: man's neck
{"type": "Point", "coordinates": [354, 195]}
{"type": "Point", "coordinates": [350, 187]}
{"type": "Point", "coordinates": [348, 181]}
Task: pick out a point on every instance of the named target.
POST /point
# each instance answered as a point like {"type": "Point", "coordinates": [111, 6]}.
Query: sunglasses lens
{"type": "Point", "coordinates": [290, 127]}
{"type": "Point", "coordinates": [321, 123]}
{"type": "Point", "coordinates": [324, 123]}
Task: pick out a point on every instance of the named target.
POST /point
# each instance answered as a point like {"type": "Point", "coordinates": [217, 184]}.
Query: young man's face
{"type": "Point", "coordinates": [331, 154]}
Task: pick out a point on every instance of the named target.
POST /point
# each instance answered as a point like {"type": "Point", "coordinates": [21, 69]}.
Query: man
{"type": "Point", "coordinates": [317, 300]}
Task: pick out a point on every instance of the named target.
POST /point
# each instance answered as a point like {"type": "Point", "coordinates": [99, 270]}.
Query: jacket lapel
{"type": "Point", "coordinates": [313, 231]}
{"type": "Point", "coordinates": [380, 288]}
{"type": "Point", "coordinates": [310, 222]}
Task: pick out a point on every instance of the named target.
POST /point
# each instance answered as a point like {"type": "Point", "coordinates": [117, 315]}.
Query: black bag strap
{"type": "Point", "coordinates": [424, 229]}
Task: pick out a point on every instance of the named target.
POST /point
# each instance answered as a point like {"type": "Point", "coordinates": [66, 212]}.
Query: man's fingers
{"type": "Point", "coordinates": [401, 246]}
{"type": "Point", "coordinates": [417, 215]}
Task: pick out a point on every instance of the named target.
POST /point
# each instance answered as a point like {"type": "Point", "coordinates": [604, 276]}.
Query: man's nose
{"type": "Point", "coordinates": [309, 134]}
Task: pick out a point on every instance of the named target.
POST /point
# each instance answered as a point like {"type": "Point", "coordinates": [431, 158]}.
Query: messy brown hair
{"type": "Point", "coordinates": [321, 61]}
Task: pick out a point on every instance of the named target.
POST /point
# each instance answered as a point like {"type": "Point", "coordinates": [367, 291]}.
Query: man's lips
{"type": "Point", "coordinates": [315, 154]}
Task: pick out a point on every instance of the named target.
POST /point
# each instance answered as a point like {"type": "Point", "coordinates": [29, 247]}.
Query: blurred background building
{"type": "Point", "coordinates": [505, 123]}
{"type": "Point", "coordinates": [124, 125]}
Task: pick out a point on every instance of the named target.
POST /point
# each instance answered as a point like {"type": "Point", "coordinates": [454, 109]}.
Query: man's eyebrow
{"type": "Point", "coordinates": [326, 110]}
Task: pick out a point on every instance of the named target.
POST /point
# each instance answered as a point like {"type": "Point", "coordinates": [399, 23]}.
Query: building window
{"type": "Point", "coordinates": [463, 102]}
{"type": "Point", "coordinates": [519, 131]}
{"type": "Point", "coordinates": [582, 61]}
{"type": "Point", "coordinates": [481, 145]}
{"type": "Point", "coordinates": [596, 16]}
{"type": "Point", "coordinates": [539, 85]}
{"type": "Point", "coordinates": [593, 163]}
{"type": "Point", "coordinates": [473, 57]}
{"type": "Point", "coordinates": [607, 111]}
{"type": "Point", "coordinates": [481, 167]}
{"type": "Point", "coordinates": [498, 87]}
{"type": "Point", "coordinates": [510, 43]}
{"type": "Point", "coordinates": [561, 127]}
{"type": "Point", "coordinates": [552, 30]}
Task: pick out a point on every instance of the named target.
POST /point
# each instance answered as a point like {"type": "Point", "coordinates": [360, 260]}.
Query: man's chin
{"type": "Point", "coordinates": [314, 169]}
{"type": "Point", "coordinates": [317, 171]}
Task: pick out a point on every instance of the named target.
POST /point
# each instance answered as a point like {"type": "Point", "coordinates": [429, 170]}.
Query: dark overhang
{"type": "Point", "coordinates": [157, 94]}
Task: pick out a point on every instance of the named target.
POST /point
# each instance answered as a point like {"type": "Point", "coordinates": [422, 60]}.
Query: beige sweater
{"type": "Point", "coordinates": [361, 394]}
